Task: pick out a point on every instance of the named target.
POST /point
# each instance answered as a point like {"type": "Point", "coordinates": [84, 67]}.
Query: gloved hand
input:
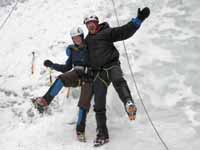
{"type": "Point", "coordinates": [143, 14]}
{"type": "Point", "coordinates": [48, 63]}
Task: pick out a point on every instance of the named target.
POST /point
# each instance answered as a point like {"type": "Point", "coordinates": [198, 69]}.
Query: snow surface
{"type": "Point", "coordinates": [164, 55]}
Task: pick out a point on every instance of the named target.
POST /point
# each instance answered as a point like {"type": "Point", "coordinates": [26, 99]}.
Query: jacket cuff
{"type": "Point", "coordinates": [137, 22]}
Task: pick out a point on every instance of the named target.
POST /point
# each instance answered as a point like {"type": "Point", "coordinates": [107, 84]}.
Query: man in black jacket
{"type": "Point", "coordinates": [104, 59]}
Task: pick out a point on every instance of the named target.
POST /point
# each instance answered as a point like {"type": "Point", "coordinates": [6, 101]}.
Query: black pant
{"type": "Point", "coordinates": [102, 81]}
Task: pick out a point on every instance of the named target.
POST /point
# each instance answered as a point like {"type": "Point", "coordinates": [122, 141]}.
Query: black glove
{"type": "Point", "coordinates": [48, 63]}
{"type": "Point", "coordinates": [143, 14]}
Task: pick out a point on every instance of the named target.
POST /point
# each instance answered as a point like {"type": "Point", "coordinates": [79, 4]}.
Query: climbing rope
{"type": "Point", "coordinates": [12, 10]}
{"type": "Point", "coordinates": [135, 83]}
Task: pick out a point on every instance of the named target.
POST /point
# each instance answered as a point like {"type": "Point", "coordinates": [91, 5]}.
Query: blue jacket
{"type": "Point", "coordinates": [77, 56]}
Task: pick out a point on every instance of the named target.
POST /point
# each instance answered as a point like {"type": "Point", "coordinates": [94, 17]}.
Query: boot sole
{"type": "Point", "coordinates": [132, 113]}
{"type": "Point", "coordinates": [81, 137]}
{"type": "Point", "coordinates": [101, 144]}
{"type": "Point", "coordinates": [82, 140]}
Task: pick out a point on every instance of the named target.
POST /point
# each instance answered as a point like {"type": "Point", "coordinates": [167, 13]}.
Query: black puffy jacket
{"type": "Point", "coordinates": [102, 52]}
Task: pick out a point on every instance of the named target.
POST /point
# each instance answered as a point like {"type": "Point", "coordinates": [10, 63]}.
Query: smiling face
{"type": "Point", "coordinates": [91, 26]}
{"type": "Point", "coordinates": [77, 40]}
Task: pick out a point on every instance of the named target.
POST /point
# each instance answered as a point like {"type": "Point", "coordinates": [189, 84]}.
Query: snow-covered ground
{"type": "Point", "coordinates": [164, 55]}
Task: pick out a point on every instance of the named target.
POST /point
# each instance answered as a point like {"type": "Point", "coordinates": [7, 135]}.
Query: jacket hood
{"type": "Point", "coordinates": [104, 25]}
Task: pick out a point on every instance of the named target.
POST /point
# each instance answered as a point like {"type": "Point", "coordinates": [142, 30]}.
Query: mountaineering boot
{"type": "Point", "coordinates": [81, 136]}
{"type": "Point", "coordinates": [40, 104]}
{"type": "Point", "coordinates": [131, 109]}
{"type": "Point", "coordinates": [80, 126]}
{"type": "Point", "coordinates": [80, 132]}
{"type": "Point", "coordinates": [102, 137]}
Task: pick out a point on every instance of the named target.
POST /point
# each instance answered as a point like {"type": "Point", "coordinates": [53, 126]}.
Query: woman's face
{"type": "Point", "coordinates": [77, 40]}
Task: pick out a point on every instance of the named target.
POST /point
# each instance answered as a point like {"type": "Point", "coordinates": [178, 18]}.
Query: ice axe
{"type": "Point", "coordinates": [50, 76]}
{"type": "Point", "coordinates": [33, 63]}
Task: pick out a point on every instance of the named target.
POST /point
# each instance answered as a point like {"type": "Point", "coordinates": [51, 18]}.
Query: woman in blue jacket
{"type": "Point", "coordinates": [76, 72]}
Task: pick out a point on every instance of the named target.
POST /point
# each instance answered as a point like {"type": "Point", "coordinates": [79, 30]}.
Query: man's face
{"type": "Point", "coordinates": [91, 26]}
{"type": "Point", "coordinates": [77, 40]}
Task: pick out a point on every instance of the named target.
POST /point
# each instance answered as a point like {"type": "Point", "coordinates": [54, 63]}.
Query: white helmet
{"type": "Point", "coordinates": [76, 31]}
{"type": "Point", "coordinates": [91, 18]}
